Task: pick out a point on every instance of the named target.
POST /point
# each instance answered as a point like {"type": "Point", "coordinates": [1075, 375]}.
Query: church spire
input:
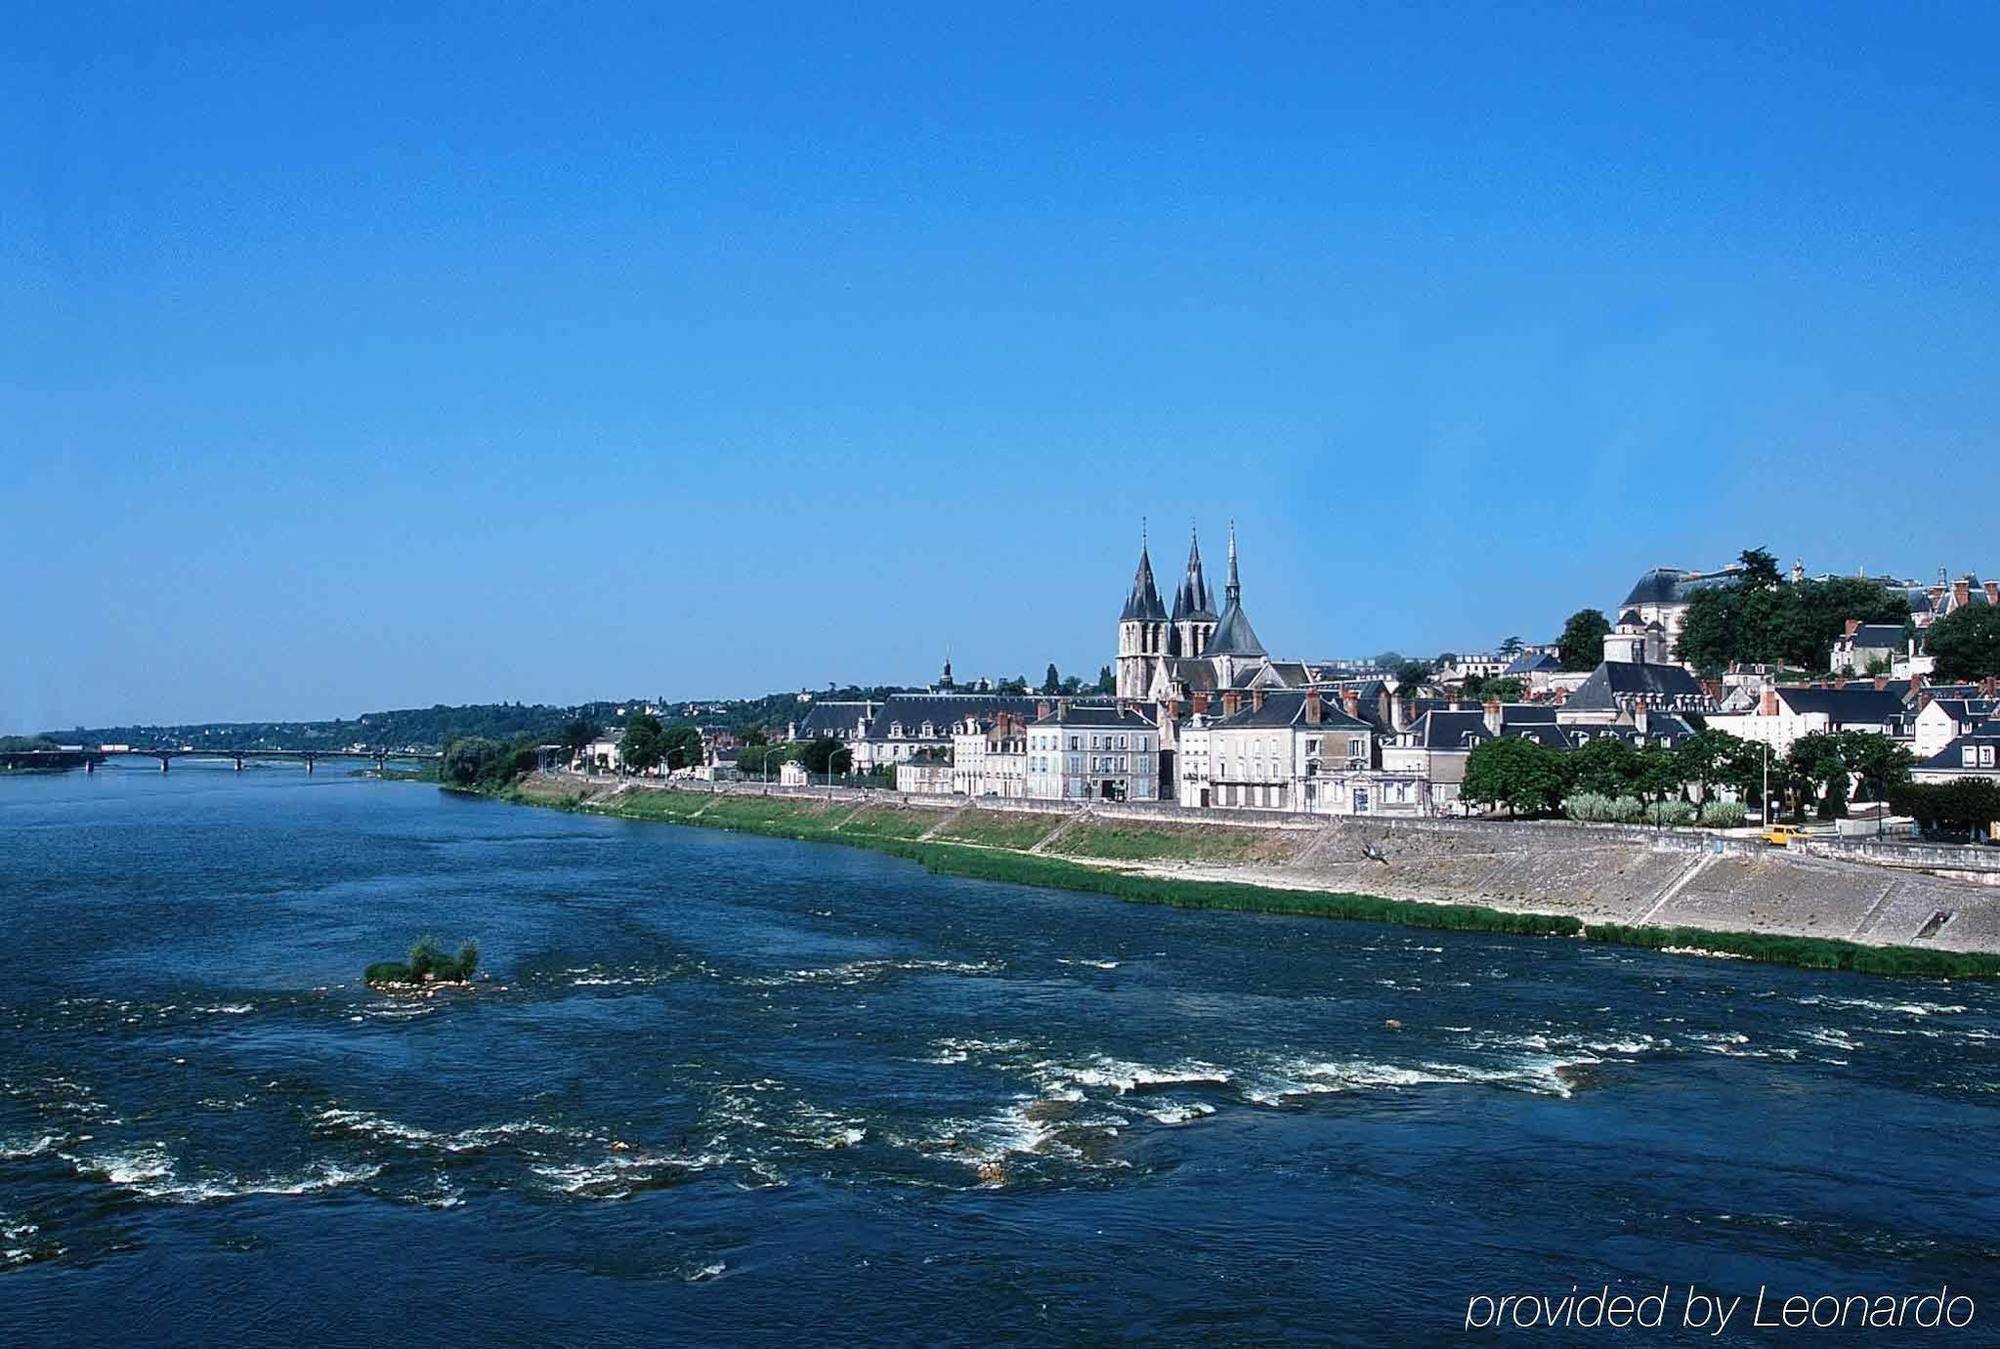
{"type": "Point", "coordinates": [1144, 601]}
{"type": "Point", "coordinates": [1232, 592]}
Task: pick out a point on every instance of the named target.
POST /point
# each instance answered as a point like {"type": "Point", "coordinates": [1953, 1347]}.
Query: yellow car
{"type": "Point", "coordinates": [1781, 835]}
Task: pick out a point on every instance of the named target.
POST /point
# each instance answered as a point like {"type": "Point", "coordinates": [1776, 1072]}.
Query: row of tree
{"type": "Point", "coordinates": [1529, 778]}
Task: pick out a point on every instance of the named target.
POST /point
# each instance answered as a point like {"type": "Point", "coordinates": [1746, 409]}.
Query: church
{"type": "Point", "coordinates": [1176, 659]}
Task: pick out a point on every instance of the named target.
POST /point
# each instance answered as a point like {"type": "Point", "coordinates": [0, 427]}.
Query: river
{"type": "Point", "coordinates": [726, 1088]}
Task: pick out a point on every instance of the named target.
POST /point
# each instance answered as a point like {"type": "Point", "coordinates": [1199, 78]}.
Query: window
{"type": "Point", "coordinates": [1986, 756]}
{"type": "Point", "coordinates": [1075, 743]}
{"type": "Point", "coordinates": [1970, 756]}
{"type": "Point", "coordinates": [1312, 744]}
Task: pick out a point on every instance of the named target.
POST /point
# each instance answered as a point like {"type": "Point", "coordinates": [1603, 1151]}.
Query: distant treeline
{"type": "Point", "coordinates": [432, 728]}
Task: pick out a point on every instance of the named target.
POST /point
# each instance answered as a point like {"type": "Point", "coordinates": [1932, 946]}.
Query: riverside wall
{"type": "Point", "coordinates": [1876, 894]}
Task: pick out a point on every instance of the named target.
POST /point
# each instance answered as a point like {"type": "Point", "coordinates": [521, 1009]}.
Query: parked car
{"type": "Point", "coordinates": [1781, 835]}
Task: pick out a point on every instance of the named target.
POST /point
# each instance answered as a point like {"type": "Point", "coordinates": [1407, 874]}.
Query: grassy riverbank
{"type": "Point", "coordinates": [991, 845]}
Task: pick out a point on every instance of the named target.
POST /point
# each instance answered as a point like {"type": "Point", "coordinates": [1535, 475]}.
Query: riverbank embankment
{"type": "Point", "coordinates": [1670, 890]}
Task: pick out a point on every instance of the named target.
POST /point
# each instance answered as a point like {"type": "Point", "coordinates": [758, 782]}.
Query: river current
{"type": "Point", "coordinates": [726, 1088]}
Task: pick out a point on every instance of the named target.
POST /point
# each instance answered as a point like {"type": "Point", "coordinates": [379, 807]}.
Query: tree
{"type": "Point", "coordinates": [1411, 675]}
{"type": "Point", "coordinates": [826, 755]}
{"type": "Point", "coordinates": [1605, 766]}
{"type": "Point", "coordinates": [1780, 623]}
{"type": "Point", "coordinates": [1107, 682]}
{"type": "Point", "coordinates": [1817, 769]}
{"type": "Point", "coordinates": [1880, 763]}
{"type": "Point", "coordinates": [578, 734]}
{"type": "Point", "coordinates": [641, 747]}
{"type": "Point", "coordinates": [1964, 806]}
{"type": "Point", "coordinates": [1507, 688]}
{"type": "Point", "coordinates": [1707, 760]}
{"type": "Point", "coordinates": [681, 747]}
{"type": "Point", "coordinates": [1760, 569]}
{"type": "Point", "coordinates": [1526, 777]}
{"type": "Point", "coordinates": [1581, 646]}
{"type": "Point", "coordinates": [1965, 643]}
{"type": "Point", "coordinates": [1512, 646]}
{"type": "Point", "coordinates": [1052, 681]}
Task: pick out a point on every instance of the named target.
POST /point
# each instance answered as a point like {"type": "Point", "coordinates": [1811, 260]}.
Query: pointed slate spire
{"type": "Point", "coordinates": [1144, 601]}
{"type": "Point", "coordinates": [1201, 604]}
{"type": "Point", "coordinates": [1233, 634]}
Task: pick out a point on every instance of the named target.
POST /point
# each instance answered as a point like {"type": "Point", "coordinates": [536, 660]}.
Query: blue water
{"type": "Point", "coordinates": [731, 1088]}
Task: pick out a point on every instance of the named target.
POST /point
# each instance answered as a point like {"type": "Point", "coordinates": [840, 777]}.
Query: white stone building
{"type": "Point", "coordinates": [989, 757]}
{"type": "Point", "coordinates": [1094, 752]}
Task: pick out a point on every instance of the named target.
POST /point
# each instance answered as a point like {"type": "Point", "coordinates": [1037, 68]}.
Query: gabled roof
{"type": "Point", "coordinates": [1464, 728]}
{"type": "Point", "coordinates": [1287, 707]}
{"type": "Point", "coordinates": [1539, 663]}
{"type": "Point", "coordinates": [1952, 756]}
{"type": "Point", "coordinates": [1857, 703]}
{"type": "Point", "coordinates": [1877, 636]}
{"type": "Point", "coordinates": [1122, 716]}
{"type": "Point", "coordinates": [944, 711]}
{"type": "Point", "coordinates": [1192, 600]}
{"type": "Point", "coordinates": [1661, 685]}
{"type": "Point", "coordinates": [833, 719]}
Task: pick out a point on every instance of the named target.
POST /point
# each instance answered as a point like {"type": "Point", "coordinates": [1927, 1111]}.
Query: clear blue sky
{"type": "Point", "coordinates": [545, 352]}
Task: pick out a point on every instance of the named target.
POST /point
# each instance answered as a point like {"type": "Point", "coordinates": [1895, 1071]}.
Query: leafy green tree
{"type": "Point", "coordinates": [1411, 675]}
{"type": "Point", "coordinates": [1760, 569]}
{"type": "Point", "coordinates": [642, 747]}
{"type": "Point", "coordinates": [578, 733]}
{"type": "Point", "coordinates": [1966, 643]}
{"type": "Point", "coordinates": [1107, 682]}
{"type": "Point", "coordinates": [826, 755]}
{"type": "Point", "coordinates": [1655, 773]}
{"type": "Point", "coordinates": [1581, 645]}
{"type": "Point", "coordinates": [1880, 763]}
{"type": "Point", "coordinates": [1605, 766]}
{"type": "Point", "coordinates": [1526, 777]}
{"type": "Point", "coordinates": [1816, 769]}
{"type": "Point", "coordinates": [1512, 646]}
{"type": "Point", "coordinates": [1705, 760]}
{"type": "Point", "coordinates": [1052, 681]}
{"type": "Point", "coordinates": [1963, 806]}
{"type": "Point", "coordinates": [680, 747]}
{"type": "Point", "coordinates": [1507, 688]}
{"type": "Point", "coordinates": [1780, 623]}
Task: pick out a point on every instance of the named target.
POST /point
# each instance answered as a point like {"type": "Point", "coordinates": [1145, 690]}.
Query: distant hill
{"type": "Point", "coordinates": [430, 728]}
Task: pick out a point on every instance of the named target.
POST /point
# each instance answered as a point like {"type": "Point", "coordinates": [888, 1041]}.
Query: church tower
{"type": "Point", "coordinates": [1142, 630]}
{"type": "Point", "coordinates": [1233, 645]}
{"type": "Point", "coordinates": [1194, 607]}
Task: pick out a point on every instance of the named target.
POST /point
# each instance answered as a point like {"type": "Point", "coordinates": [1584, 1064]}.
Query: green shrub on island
{"type": "Point", "coordinates": [1724, 814]}
{"type": "Point", "coordinates": [428, 963]}
{"type": "Point", "coordinates": [1672, 814]}
{"type": "Point", "coordinates": [478, 764]}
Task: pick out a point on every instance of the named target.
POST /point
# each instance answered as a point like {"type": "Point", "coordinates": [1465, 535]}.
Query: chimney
{"type": "Point", "coordinates": [1769, 706]}
{"type": "Point", "coordinates": [1350, 702]}
{"type": "Point", "coordinates": [1256, 700]}
{"type": "Point", "coordinates": [1041, 711]}
{"type": "Point", "coordinates": [1961, 593]}
{"type": "Point", "coordinates": [1121, 709]}
{"type": "Point", "coordinates": [1881, 683]}
{"type": "Point", "coordinates": [1200, 703]}
{"type": "Point", "coordinates": [1312, 709]}
{"type": "Point", "coordinates": [1921, 694]}
{"type": "Point", "coordinates": [1494, 716]}
{"type": "Point", "coordinates": [1402, 713]}
{"type": "Point", "coordinates": [1231, 700]}
{"type": "Point", "coordinates": [1993, 593]}
{"type": "Point", "coordinates": [1641, 716]}
{"type": "Point", "coordinates": [1853, 626]}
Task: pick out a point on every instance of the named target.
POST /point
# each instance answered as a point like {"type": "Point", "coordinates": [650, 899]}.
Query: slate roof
{"type": "Point", "coordinates": [1952, 756]}
{"type": "Point", "coordinates": [1540, 663]}
{"type": "Point", "coordinates": [1192, 599]}
{"type": "Point", "coordinates": [1857, 703]}
{"type": "Point", "coordinates": [1878, 636]}
{"type": "Point", "coordinates": [1663, 686]}
{"type": "Point", "coordinates": [1467, 727]}
{"type": "Point", "coordinates": [1144, 601]}
{"type": "Point", "coordinates": [943, 711]}
{"type": "Point", "coordinates": [1233, 635]}
{"type": "Point", "coordinates": [1288, 708]}
{"type": "Point", "coordinates": [1674, 585]}
{"type": "Point", "coordinates": [833, 719]}
{"type": "Point", "coordinates": [1968, 711]}
{"type": "Point", "coordinates": [1096, 715]}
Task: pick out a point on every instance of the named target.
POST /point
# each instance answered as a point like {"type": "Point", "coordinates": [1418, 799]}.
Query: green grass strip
{"type": "Point", "coordinates": [893, 830]}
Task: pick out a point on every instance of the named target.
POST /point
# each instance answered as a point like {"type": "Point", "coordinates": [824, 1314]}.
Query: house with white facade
{"type": "Point", "coordinates": [1094, 752]}
{"type": "Point", "coordinates": [1942, 720]}
{"type": "Point", "coordinates": [989, 757]}
{"type": "Point", "coordinates": [1976, 755]}
{"type": "Point", "coordinates": [1785, 713]}
{"type": "Point", "coordinates": [1310, 751]}
{"type": "Point", "coordinates": [1864, 649]}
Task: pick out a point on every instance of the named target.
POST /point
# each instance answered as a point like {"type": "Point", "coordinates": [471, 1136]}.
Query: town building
{"type": "Point", "coordinates": [1871, 649]}
{"type": "Point", "coordinates": [926, 771]}
{"type": "Point", "coordinates": [1308, 751]}
{"type": "Point", "coordinates": [1941, 720]}
{"type": "Point", "coordinates": [989, 756]}
{"type": "Point", "coordinates": [1094, 752]}
{"type": "Point", "coordinates": [1785, 713]}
